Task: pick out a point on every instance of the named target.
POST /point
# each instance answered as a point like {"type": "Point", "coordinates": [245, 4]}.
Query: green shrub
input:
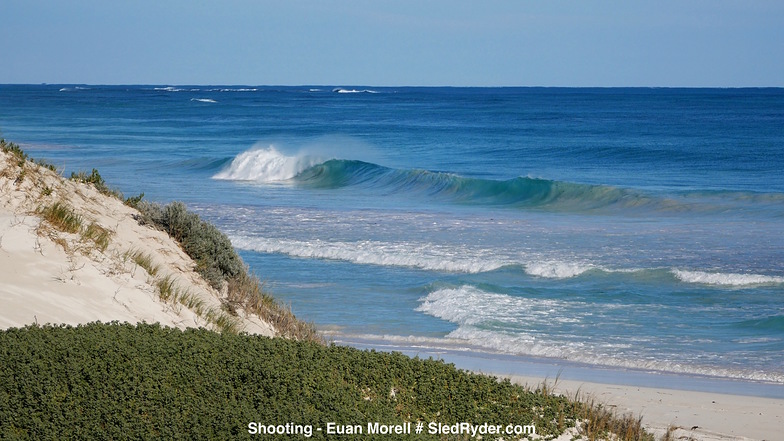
{"type": "Point", "coordinates": [121, 381]}
{"type": "Point", "coordinates": [97, 181]}
{"type": "Point", "coordinates": [217, 262]}
{"type": "Point", "coordinates": [134, 201]}
{"type": "Point", "coordinates": [215, 258]}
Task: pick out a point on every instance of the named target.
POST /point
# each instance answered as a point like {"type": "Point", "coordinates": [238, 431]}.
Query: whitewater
{"type": "Point", "coordinates": [634, 229]}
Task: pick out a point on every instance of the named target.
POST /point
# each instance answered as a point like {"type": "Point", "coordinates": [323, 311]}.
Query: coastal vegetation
{"type": "Point", "coordinates": [124, 381]}
{"type": "Point", "coordinates": [220, 265]}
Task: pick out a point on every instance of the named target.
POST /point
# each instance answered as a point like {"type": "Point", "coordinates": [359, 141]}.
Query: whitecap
{"type": "Point", "coordinates": [341, 90]}
{"type": "Point", "coordinates": [425, 256]}
{"type": "Point", "coordinates": [266, 165]}
{"type": "Point", "coordinates": [725, 279]}
{"type": "Point", "coordinates": [556, 269]}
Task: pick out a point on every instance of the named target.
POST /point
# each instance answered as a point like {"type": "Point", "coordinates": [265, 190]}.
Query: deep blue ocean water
{"type": "Point", "coordinates": [634, 228]}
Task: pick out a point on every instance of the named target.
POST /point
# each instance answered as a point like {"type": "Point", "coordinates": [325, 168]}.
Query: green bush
{"type": "Point", "coordinates": [217, 262]}
{"type": "Point", "coordinates": [121, 381]}
{"type": "Point", "coordinates": [215, 258]}
{"type": "Point", "coordinates": [97, 181]}
{"type": "Point", "coordinates": [134, 201]}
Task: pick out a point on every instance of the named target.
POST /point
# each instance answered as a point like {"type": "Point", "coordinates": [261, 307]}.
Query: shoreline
{"type": "Point", "coordinates": [721, 409]}
{"type": "Point", "coordinates": [481, 360]}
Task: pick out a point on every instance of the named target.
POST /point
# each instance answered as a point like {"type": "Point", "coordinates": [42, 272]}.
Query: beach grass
{"type": "Point", "coordinates": [143, 260]}
{"type": "Point", "coordinates": [62, 217]}
{"type": "Point", "coordinates": [98, 235]}
{"type": "Point", "coordinates": [21, 157]}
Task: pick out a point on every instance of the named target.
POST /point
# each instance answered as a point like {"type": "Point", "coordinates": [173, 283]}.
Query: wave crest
{"type": "Point", "coordinates": [266, 165]}
{"type": "Point", "coordinates": [556, 269]}
{"type": "Point", "coordinates": [518, 192]}
{"type": "Point", "coordinates": [269, 165]}
{"type": "Point", "coordinates": [725, 279]}
{"type": "Point", "coordinates": [342, 90]}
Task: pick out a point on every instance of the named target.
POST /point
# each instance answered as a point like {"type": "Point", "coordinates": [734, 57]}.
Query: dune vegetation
{"type": "Point", "coordinates": [143, 381]}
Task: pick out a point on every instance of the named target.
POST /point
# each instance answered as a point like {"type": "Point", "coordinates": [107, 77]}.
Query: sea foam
{"type": "Point", "coordinates": [413, 255]}
{"type": "Point", "coordinates": [517, 325]}
{"type": "Point", "coordinates": [426, 256]}
{"type": "Point", "coordinates": [726, 279]}
{"type": "Point", "coordinates": [266, 165]}
{"type": "Point", "coordinates": [557, 269]}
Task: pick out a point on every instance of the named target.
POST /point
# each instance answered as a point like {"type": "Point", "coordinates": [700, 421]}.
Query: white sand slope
{"type": "Point", "coordinates": [47, 276]}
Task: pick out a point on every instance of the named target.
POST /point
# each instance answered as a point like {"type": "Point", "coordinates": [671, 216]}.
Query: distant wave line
{"type": "Point", "coordinates": [270, 165]}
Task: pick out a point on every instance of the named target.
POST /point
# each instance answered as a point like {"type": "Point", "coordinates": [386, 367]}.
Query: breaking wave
{"type": "Point", "coordinates": [725, 279]}
{"type": "Point", "coordinates": [421, 256]}
{"type": "Point", "coordinates": [342, 90]}
{"type": "Point", "coordinates": [270, 165]}
{"type": "Point", "coordinates": [266, 165]}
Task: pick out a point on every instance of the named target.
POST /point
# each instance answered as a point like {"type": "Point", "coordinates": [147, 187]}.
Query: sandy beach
{"type": "Point", "coordinates": [697, 415]}
{"type": "Point", "coordinates": [53, 277]}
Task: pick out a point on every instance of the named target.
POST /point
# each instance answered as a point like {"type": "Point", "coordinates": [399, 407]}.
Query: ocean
{"type": "Point", "coordinates": [631, 229]}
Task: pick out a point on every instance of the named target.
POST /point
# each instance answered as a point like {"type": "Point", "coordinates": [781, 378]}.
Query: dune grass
{"type": "Point", "coordinates": [143, 260]}
{"type": "Point", "coordinates": [98, 235]}
{"type": "Point", "coordinates": [61, 216]}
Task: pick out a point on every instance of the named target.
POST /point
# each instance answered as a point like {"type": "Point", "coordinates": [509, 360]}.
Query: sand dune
{"type": "Point", "coordinates": [52, 276]}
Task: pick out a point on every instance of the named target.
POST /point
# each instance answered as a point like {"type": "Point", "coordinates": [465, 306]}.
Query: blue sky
{"type": "Point", "coordinates": [688, 43]}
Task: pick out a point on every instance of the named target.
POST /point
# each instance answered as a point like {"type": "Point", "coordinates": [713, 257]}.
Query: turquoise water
{"type": "Point", "coordinates": [631, 228]}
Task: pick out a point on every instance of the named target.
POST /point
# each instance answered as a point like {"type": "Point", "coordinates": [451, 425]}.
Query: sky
{"type": "Point", "coordinates": [574, 43]}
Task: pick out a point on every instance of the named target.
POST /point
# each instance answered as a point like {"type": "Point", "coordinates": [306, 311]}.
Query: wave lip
{"type": "Point", "coordinates": [175, 89]}
{"type": "Point", "coordinates": [244, 89]}
{"type": "Point", "coordinates": [204, 100]}
{"type": "Point", "coordinates": [725, 279]}
{"type": "Point", "coordinates": [266, 165]}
